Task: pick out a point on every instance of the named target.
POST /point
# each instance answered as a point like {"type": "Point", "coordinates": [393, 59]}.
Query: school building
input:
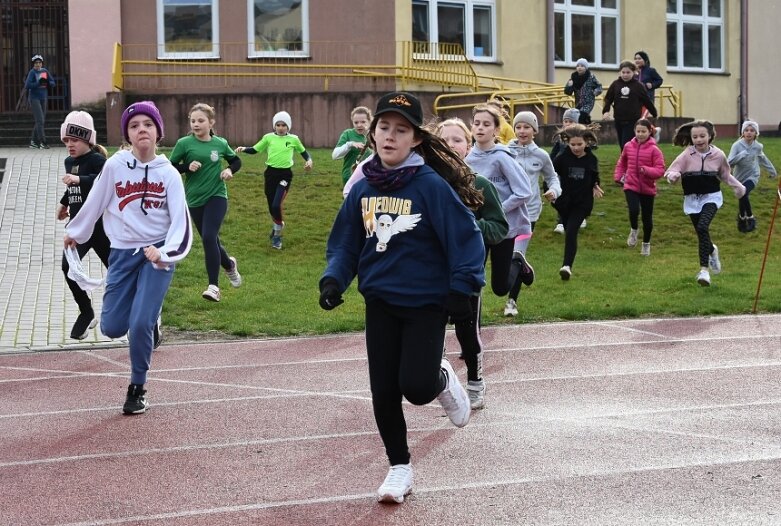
{"type": "Point", "coordinates": [319, 58]}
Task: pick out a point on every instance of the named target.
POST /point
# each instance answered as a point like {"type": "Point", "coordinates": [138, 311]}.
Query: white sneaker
{"type": "Point", "coordinates": [476, 392]}
{"type": "Point", "coordinates": [397, 484]}
{"type": "Point", "coordinates": [703, 278]}
{"type": "Point", "coordinates": [453, 398]}
{"type": "Point", "coordinates": [713, 260]}
{"type": "Point", "coordinates": [632, 239]}
{"type": "Point", "coordinates": [212, 293]}
{"type": "Point", "coordinates": [583, 224]}
{"type": "Point", "coordinates": [646, 249]}
{"type": "Point", "coordinates": [565, 272]}
{"type": "Point", "coordinates": [559, 229]}
{"type": "Point", "coordinates": [233, 274]}
{"type": "Point", "coordinates": [510, 308]}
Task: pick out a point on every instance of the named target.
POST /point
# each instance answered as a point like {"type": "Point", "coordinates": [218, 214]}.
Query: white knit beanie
{"type": "Point", "coordinates": [582, 62]}
{"type": "Point", "coordinates": [79, 125]}
{"type": "Point", "coordinates": [284, 117]}
{"type": "Point", "coordinates": [527, 117]}
{"type": "Point", "coordinates": [572, 114]}
{"type": "Point", "coordinates": [748, 123]}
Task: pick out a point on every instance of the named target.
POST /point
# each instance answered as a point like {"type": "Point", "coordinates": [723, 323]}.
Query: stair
{"type": "Point", "coordinates": [16, 128]}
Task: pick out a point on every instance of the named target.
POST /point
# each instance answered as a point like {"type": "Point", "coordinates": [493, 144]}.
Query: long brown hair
{"type": "Point", "coordinates": [683, 134]}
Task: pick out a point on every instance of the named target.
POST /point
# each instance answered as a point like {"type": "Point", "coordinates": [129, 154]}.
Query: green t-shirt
{"type": "Point", "coordinates": [280, 149]}
{"type": "Point", "coordinates": [349, 160]}
{"type": "Point", "coordinates": [206, 183]}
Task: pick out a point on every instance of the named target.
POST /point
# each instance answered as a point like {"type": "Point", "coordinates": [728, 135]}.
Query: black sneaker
{"type": "Point", "coordinates": [742, 223]}
{"type": "Point", "coordinates": [83, 324]}
{"type": "Point", "coordinates": [751, 224]}
{"type": "Point", "coordinates": [135, 403]}
{"type": "Point", "coordinates": [526, 271]}
{"type": "Point", "coordinates": [34, 145]}
{"type": "Point", "coordinates": [44, 146]}
{"type": "Point", "coordinates": [157, 335]}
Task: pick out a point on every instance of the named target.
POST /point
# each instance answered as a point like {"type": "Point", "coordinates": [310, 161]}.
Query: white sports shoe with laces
{"type": "Point", "coordinates": [397, 484]}
{"type": "Point", "coordinates": [713, 260]}
{"type": "Point", "coordinates": [703, 278]}
{"type": "Point", "coordinates": [511, 308]}
{"type": "Point", "coordinates": [453, 398]}
{"type": "Point", "coordinates": [212, 293]}
{"type": "Point", "coordinates": [233, 274]}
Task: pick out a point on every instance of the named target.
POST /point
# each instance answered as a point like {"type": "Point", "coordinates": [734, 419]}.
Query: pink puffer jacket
{"type": "Point", "coordinates": [639, 166]}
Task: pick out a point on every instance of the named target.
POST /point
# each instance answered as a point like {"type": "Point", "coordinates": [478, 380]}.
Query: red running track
{"type": "Point", "coordinates": [624, 422]}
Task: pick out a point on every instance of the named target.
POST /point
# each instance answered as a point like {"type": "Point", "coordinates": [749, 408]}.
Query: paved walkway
{"type": "Point", "coordinates": [36, 307]}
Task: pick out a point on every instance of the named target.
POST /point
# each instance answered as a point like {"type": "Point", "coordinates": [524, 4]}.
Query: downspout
{"type": "Point", "coordinates": [743, 97]}
{"type": "Point", "coordinates": [551, 43]}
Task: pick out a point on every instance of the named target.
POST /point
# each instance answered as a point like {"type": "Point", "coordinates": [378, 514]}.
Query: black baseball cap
{"type": "Point", "coordinates": [403, 103]}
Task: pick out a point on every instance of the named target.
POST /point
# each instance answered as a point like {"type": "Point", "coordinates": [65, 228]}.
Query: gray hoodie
{"type": "Point", "coordinates": [745, 160]}
{"type": "Point", "coordinates": [535, 162]}
{"type": "Point", "coordinates": [498, 165]}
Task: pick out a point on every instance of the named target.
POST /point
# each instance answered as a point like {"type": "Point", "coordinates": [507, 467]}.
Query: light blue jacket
{"type": "Point", "coordinates": [535, 162]}
{"type": "Point", "coordinates": [745, 160]}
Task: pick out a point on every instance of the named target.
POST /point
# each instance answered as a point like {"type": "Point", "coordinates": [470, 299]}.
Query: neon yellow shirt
{"type": "Point", "coordinates": [280, 149]}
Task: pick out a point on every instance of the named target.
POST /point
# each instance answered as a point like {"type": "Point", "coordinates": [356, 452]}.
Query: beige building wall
{"type": "Point", "coordinates": [763, 103]}
{"type": "Point", "coordinates": [94, 26]}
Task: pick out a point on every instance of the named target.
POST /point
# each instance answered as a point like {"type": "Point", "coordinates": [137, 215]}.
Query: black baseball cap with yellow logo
{"type": "Point", "coordinates": [403, 103]}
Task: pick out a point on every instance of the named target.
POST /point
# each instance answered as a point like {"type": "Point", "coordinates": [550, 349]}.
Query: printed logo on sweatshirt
{"type": "Point", "coordinates": [384, 226]}
{"type": "Point", "coordinates": [153, 193]}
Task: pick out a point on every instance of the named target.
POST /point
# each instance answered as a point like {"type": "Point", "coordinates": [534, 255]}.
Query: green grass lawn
{"type": "Point", "coordinates": [610, 280]}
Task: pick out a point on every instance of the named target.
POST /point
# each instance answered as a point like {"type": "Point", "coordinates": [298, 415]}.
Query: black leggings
{"type": "Point", "coordinates": [468, 335]}
{"type": "Point", "coordinates": [208, 220]}
{"type": "Point", "coordinates": [277, 186]}
{"type": "Point", "coordinates": [701, 224]}
{"type": "Point", "coordinates": [404, 347]}
{"type": "Point", "coordinates": [638, 203]}
{"type": "Point", "coordinates": [571, 219]}
{"type": "Point", "coordinates": [744, 205]}
{"type": "Point", "coordinates": [102, 247]}
{"type": "Point", "coordinates": [625, 130]}
{"type": "Point", "coordinates": [501, 256]}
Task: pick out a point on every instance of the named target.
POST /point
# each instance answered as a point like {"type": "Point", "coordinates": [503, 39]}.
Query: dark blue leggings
{"type": "Point", "coordinates": [744, 205]}
{"type": "Point", "coordinates": [637, 204]}
{"type": "Point", "coordinates": [208, 221]}
{"type": "Point", "coordinates": [277, 186]}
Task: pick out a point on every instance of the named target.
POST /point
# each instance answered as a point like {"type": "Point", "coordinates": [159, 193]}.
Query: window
{"type": "Point", "coordinates": [188, 29]}
{"type": "Point", "coordinates": [586, 29]}
{"type": "Point", "coordinates": [278, 28]}
{"type": "Point", "coordinates": [695, 35]}
{"type": "Point", "coordinates": [471, 24]}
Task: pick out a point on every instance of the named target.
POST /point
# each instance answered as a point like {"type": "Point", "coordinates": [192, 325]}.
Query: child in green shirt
{"type": "Point", "coordinates": [278, 175]}
{"type": "Point", "coordinates": [351, 145]}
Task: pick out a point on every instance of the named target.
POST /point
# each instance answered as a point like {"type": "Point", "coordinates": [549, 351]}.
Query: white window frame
{"type": "Point", "coordinates": [469, 7]}
{"type": "Point", "coordinates": [253, 53]}
{"type": "Point", "coordinates": [705, 22]}
{"type": "Point", "coordinates": [161, 44]}
{"type": "Point", "coordinates": [597, 12]}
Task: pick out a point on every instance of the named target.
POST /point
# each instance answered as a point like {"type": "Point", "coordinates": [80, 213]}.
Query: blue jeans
{"type": "Point", "coordinates": [38, 107]}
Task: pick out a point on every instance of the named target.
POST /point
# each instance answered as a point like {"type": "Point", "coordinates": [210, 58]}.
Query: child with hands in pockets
{"type": "Point", "coordinates": [405, 231]}
{"type": "Point", "coordinates": [640, 164]}
{"type": "Point", "coordinates": [140, 197]}
{"type": "Point", "coordinates": [198, 156]}
{"type": "Point", "coordinates": [701, 167]}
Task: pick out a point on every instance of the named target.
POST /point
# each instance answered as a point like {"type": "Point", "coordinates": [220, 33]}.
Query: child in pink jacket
{"type": "Point", "coordinates": [701, 168]}
{"type": "Point", "coordinates": [641, 163]}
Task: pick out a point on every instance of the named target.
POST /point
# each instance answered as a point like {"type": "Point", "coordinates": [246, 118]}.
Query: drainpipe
{"type": "Point", "coordinates": [551, 43]}
{"type": "Point", "coordinates": [743, 97]}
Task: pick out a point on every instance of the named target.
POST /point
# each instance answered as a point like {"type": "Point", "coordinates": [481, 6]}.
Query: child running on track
{"type": "Point", "coordinates": [578, 171]}
{"type": "Point", "coordinates": [84, 162]}
{"type": "Point", "coordinates": [496, 163]}
{"type": "Point", "coordinates": [535, 162]}
{"type": "Point", "coordinates": [640, 164]}
{"type": "Point", "coordinates": [745, 158]}
{"type": "Point", "coordinates": [406, 233]}
{"type": "Point", "coordinates": [351, 145]}
{"type": "Point", "coordinates": [199, 156]}
{"type": "Point", "coordinates": [701, 167]}
{"type": "Point", "coordinates": [278, 175]}
{"type": "Point", "coordinates": [141, 198]}
{"type": "Point", "coordinates": [493, 225]}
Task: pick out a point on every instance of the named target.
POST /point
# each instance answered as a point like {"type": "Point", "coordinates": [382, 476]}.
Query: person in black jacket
{"type": "Point", "coordinates": [648, 76]}
{"type": "Point", "coordinates": [82, 166]}
{"type": "Point", "coordinates": [628, 98]}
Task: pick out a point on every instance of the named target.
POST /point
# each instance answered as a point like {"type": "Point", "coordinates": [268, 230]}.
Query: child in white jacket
{"type": "Point", "coordinates": [140, 196]}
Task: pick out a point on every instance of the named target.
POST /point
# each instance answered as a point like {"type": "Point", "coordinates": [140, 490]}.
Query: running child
{"type": "Point", "coordinates": [628, 98]}
{"type": "Point", "coordinates": [278, 175]}
{"type": "Point", "coordinates": [84, 162]}
{"type": "Point", "coordinates": [745, 158]}
{"type": "Point", "coordinates": [493, 225]}
{"type": "Point", "coordinates": [701, 167]}
{"type": "Point", "coordinates": [141, 198]}
{"type": "Point", "coordinates": [351, 145]}
{"type": "Point", "coordinates": [570, 117]}
{"type": "Point", "coordinates": [640, 164]}
{"type": "Point", "coordinates": [406, 233]}
{"type": "Point", "coordinates": [535, 163]}
{"type": "Point", "coordinates": [198, 156]}
{"type": "Point", "coordinates": [496, 163]}
{"type": "Point", "coordinates": [578, 171]}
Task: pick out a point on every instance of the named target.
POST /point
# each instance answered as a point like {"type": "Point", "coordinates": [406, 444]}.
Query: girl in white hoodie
{"type": "Point", "coordinates": [141, 198]}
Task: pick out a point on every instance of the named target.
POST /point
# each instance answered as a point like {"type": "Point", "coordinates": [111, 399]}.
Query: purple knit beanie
{"type": "Point", "coordinates": [145, 107]}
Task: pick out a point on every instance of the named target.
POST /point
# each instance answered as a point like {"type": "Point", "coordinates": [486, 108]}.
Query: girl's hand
{"type": "Point", "coordinates": [68, 241]}
{"type": "Point", "coordinates": [239, 149]}
{"type": "Point", "coordinates": [642, 170]}
{"type": "Point", "coordinates": [152, 253]}
{"type": "Point", "coordinates": [308, 165]}
{"type": "Point", "coordinates": [550, 196]}
{"type": "Point", "coordinates": [672, 177]}
{"type": "Point", "coordinates": [597, 192]}
{"type": "Point", "coordinates": [226, 174]}
{"type": "Point", "coordinates": [194, 166]}
{"type": "Point", "coordinates": [71, 180]}
{"type": "Point", "coordinates": [606, 116]}
{"type": "Point", "coordinates": [62, 212]}
{"type": "Point", "coordinates": [569, 82]}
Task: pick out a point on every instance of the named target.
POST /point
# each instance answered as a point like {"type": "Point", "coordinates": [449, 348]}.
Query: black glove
{"type": "Point", "coordinates": [329, 294]}
{"type": "Point", "coordinates": [458, 306]}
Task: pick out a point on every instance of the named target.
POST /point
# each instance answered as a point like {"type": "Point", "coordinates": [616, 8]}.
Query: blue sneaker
{"type": "Point", "coordinates": [276, 242]}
